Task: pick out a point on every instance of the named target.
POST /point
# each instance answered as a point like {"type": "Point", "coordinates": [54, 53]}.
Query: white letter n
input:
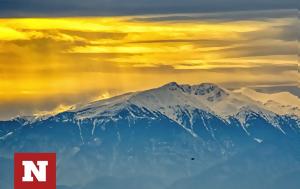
{"type": "Point", "coordinates": [30, 168]}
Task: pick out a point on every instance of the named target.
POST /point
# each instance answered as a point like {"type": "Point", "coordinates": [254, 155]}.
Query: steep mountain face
{"type": "Point", "coordinates": [174, 136]}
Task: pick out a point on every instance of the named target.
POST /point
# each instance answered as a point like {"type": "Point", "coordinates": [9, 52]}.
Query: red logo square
{"type": "Point", "coordinates": [35, 171]}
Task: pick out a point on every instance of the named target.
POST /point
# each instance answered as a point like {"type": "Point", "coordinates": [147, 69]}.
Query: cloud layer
{"type": "Point", "coordinates": [47, 63]}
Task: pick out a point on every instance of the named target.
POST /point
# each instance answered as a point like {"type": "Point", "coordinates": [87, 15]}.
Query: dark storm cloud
{"type": "Point", "coordinates": [29, 8]}
{"type": "Point", "coordinates": [263, 15]}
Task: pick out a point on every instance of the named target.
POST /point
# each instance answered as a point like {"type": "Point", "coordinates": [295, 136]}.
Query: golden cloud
{"type": "Point", "coordinates": [45, 57]}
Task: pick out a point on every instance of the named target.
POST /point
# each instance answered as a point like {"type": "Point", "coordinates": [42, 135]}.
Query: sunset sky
{"type": "Point", "coordinates": [50, 63]}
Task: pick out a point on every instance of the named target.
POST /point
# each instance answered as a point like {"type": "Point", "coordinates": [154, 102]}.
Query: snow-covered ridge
{"type": "Point", "coordinates": [172, 98]}
{"type": "Point", "coordinates": [282, 103]}
{"type": "Point", "coordinates": [184, 105]}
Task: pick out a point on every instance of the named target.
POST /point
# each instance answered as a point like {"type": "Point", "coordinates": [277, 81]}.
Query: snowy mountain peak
{"type": "Point", "coordinates": [172, 86]}
{"type": "Point", "coordinates": [212, 91]}
{"type": "Point", "coordinates": [173, 100]}
{"type": "Point", "coordinates": [215, 92]}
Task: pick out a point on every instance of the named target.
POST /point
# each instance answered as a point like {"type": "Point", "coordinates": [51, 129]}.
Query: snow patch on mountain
{"type": "Point", "coordinates": [258, 140]}
{"type": "Point", "coordinates": [6, 136]}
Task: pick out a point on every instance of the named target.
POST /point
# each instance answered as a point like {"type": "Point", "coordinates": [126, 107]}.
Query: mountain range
{"type": "Point", "coordinates": [174, 136]}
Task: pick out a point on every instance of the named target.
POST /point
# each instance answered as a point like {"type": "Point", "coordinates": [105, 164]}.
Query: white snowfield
{"type": "Point", "coordinates": [172, 99]}
{"type": "Point", "coordinates": [282, 103]}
